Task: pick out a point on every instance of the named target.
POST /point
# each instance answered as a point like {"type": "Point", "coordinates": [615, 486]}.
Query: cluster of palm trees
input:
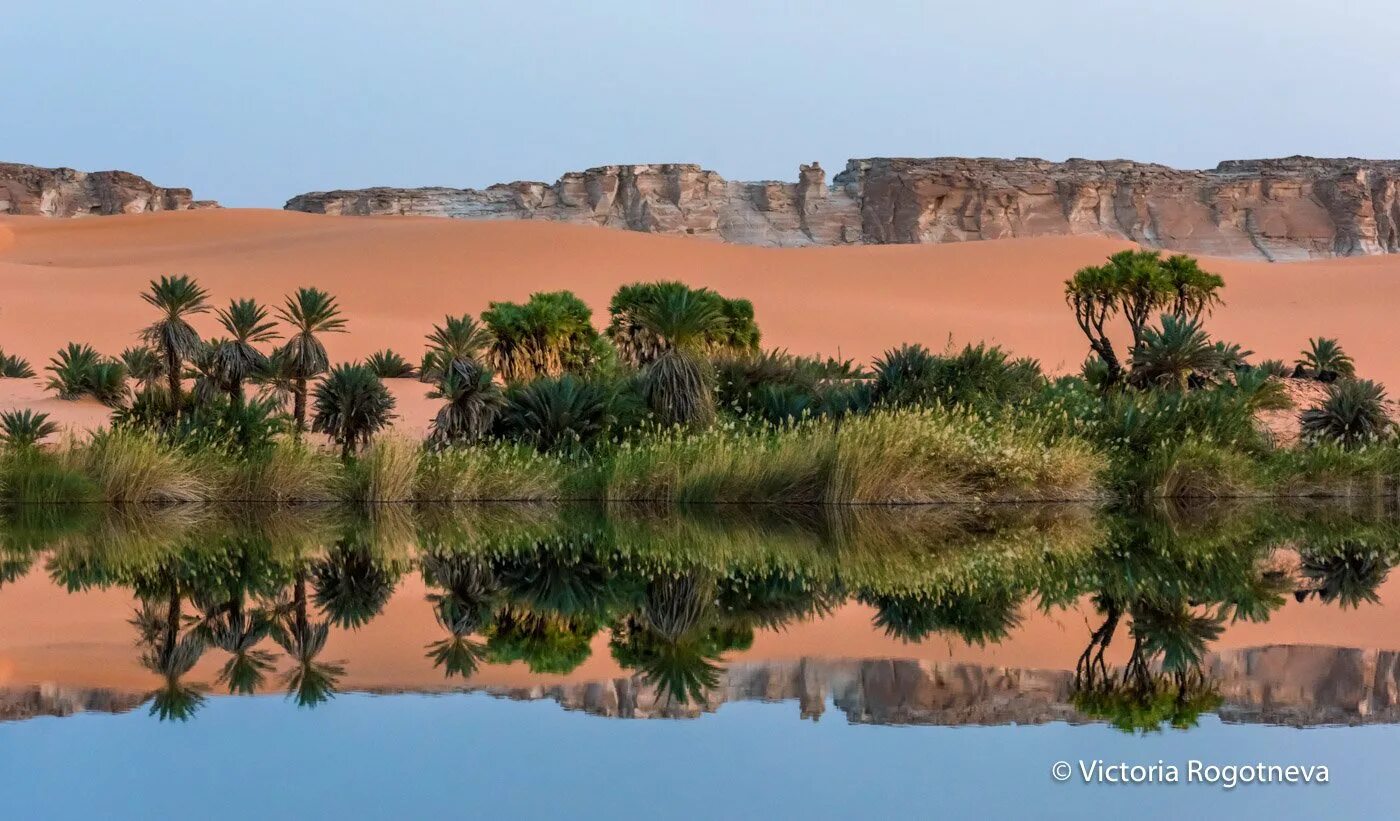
{"type": "Point", "coordinates": [542, 357]}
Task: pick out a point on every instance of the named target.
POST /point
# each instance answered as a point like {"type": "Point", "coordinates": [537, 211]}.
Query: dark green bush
{"type": "Point", "coordinates": [1353, 414]}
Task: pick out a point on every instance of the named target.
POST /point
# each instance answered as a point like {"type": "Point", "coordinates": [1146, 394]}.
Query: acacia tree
{"type": "Point", "coordinates": [1195, 291]}
{"type": "Point", "coordinates": [1092, 293]}
{"type": "Point", "coordinates": [177, 298]}
{"type": "Point", "coordinates": [1138, 284]}
{"type": "Point", "coordinates": [310, 312]}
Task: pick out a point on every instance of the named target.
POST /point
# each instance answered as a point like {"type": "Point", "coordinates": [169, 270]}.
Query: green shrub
{"type": "Point", "coordinates": [549, 335]}
{"type": "Point", "coordinates": [387, 364]}
{"type": "Point", "coordinates": [351, 405]}
{"type": "Point", "coordinates": [1325, 361]}
{"type": "Point", "coordinates": [14, 367]}
{"type": "Point", "coordinates": [79, 370]}
{"type": "Point", "coordinates": [1353, 414]}
{"type": "Point", "coordinates": [1199, 469]}
{"type": "Point", "coordinates": [20, 429]}
{"type": "Point", "coordinates": [560, 413]}
{"type": "Point", "coordinates": [491, 472]}
{"type": "Point", "coordinates": [978, 376]}
{"type": "Point", "coordinates": [386, 472]}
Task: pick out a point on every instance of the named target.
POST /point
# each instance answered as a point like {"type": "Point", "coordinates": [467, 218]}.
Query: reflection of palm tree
{"type": "Point", "coordinates": [1349, 576]}
{"type": "Point", "coordinates": [238, 634]}
{"type": "Point", "coordinates": [462, 609]}
{"type": "Point", "coordinates": [674, 642]}
{"type": "Point", "coordinates": [170, 655]}
{"type": "Point", "coordinates": [309, 682]}
{"type": "Point", "coordinates": [976, 617]}
{"type": "Point", "coordinates": [352, 586]}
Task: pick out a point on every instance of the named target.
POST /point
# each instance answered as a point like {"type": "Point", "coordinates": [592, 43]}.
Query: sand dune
{"type": "Point", "coordinates": [64, 280]}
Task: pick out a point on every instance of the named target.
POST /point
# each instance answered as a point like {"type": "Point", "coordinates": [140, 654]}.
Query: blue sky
{"type": "Point", "coordinates": [252, 101]}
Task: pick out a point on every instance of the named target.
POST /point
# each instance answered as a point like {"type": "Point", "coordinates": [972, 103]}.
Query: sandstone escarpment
{"type": "Point", "coordinates": [63, 192]}
{"type": "Point", "coordinates": [1281, 209]}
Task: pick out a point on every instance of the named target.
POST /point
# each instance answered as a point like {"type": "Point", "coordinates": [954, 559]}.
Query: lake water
{"type": "Point", "coordinates": [517, 661]}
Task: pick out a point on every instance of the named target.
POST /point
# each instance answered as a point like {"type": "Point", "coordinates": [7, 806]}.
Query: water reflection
{"type": "Point", "coordinates": [677, 595]}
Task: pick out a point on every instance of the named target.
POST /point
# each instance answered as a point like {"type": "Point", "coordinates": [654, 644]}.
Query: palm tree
{"type": "Point", "coordinates": [1353, 414]}
{"type": "Point", "coordinates": [144, 365]}
{"type": "Point", "coordinates": [462, 609]}
{"type": "Point", "coordinates": [352, 405]}
{"type": "Point", "coordinates": [235, 360]}
{"type": "Point", "coordinates": [458, 339]}
{"type": "Point", "coordinates": [549, 335]}
{"type": "Point", "coordinates": [169, 654]}
{"type": "Point", "coordinates": [238, 633]}
{"type": "Point", "coordinates": [21, 429]}
{"type": "Point", "coordinates": [473, 402]}
{"type": "Point", "coordinates": [1168, 356]}
{"type": "Point", "coordinates": [1325, 361]}
{"type": "Point", "coordinates": [177, 298]}
{"type": "Point", "coordinates": [676, 383]}
{"type": "Point", "coordinates": [310, 312]}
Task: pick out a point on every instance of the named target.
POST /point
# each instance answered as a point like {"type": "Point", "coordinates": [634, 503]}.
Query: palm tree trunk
{"type": "Point", "coordinates": [235, 394]}
{"type": "Point", "coordinates": [172, 374]}
{"type": "Point", "coordinates": [299, 602]}
{"type": "Point", "coordinates": [299, 404]}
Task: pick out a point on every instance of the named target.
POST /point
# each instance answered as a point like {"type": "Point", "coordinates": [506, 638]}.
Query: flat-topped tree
{"type": "Point", "coordinates": [1139, 285]}
{"type": "Point", "coordinates": [311, 312]}
{"type": "Point", "coordinates": [177, 298]}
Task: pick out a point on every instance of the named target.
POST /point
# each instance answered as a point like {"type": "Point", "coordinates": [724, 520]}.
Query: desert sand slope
{"type": "Point", "coordinates": [78, 280]}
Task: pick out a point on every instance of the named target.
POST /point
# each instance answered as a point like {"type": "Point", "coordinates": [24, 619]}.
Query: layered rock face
{"type": "Point", "coordinates": [63, 192]}
{"type": "Point", "coordinates": [1282, 209]}
{"type": "Point", "coordinates": [660, 199]}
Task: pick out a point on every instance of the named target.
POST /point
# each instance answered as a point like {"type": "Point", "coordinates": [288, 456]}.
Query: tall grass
{"type": "Point", "coordinates": [128, 466]}
{"type": "Point", "coordinates": [290, 471]}
{"type": "Point", "coordinates": [940, 455]}
{"type": "Point", "coordinates": [491, 472]}
{"type": "Point", "coordinates": [386, 472]}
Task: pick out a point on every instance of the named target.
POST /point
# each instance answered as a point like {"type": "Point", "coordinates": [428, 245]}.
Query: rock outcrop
{"type": "Point", "coordinates": [64, 192]}
{"type": "Point", "coordinates": [1280, 209]}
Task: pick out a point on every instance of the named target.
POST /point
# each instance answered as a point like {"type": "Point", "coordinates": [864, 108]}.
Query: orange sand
{"type": "Point", "coordinates": [78, 280]}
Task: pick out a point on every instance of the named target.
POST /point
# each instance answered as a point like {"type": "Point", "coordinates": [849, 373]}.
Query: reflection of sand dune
{"type": "Point", "coordinates": [78, 280]}
{"type": "Point", "coordinates": [1298, 685]}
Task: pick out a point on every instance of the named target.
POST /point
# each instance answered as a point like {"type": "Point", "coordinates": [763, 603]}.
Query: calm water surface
{"type": "Point", "coordinates": [538, 662]}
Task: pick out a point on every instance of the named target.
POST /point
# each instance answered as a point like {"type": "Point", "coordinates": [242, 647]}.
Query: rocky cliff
{"type": "Point", "coordinates": [64, 192]}
{"type": "Point", "coordinates": [1280, 209]}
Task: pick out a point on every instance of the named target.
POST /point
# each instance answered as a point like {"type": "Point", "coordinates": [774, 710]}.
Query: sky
{"type": "Point", "coordinates": [253, 101]}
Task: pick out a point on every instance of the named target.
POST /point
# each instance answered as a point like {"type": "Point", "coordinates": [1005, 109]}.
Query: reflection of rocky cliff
{"type": "Point", "coordinates": [1281, 684]}
{"type": "Point", "coordinates": [63, 192]}
{"type": "Point", "coordinates": [1291, 208]}
{"type": "Point", "coordinates": [17, 703]}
